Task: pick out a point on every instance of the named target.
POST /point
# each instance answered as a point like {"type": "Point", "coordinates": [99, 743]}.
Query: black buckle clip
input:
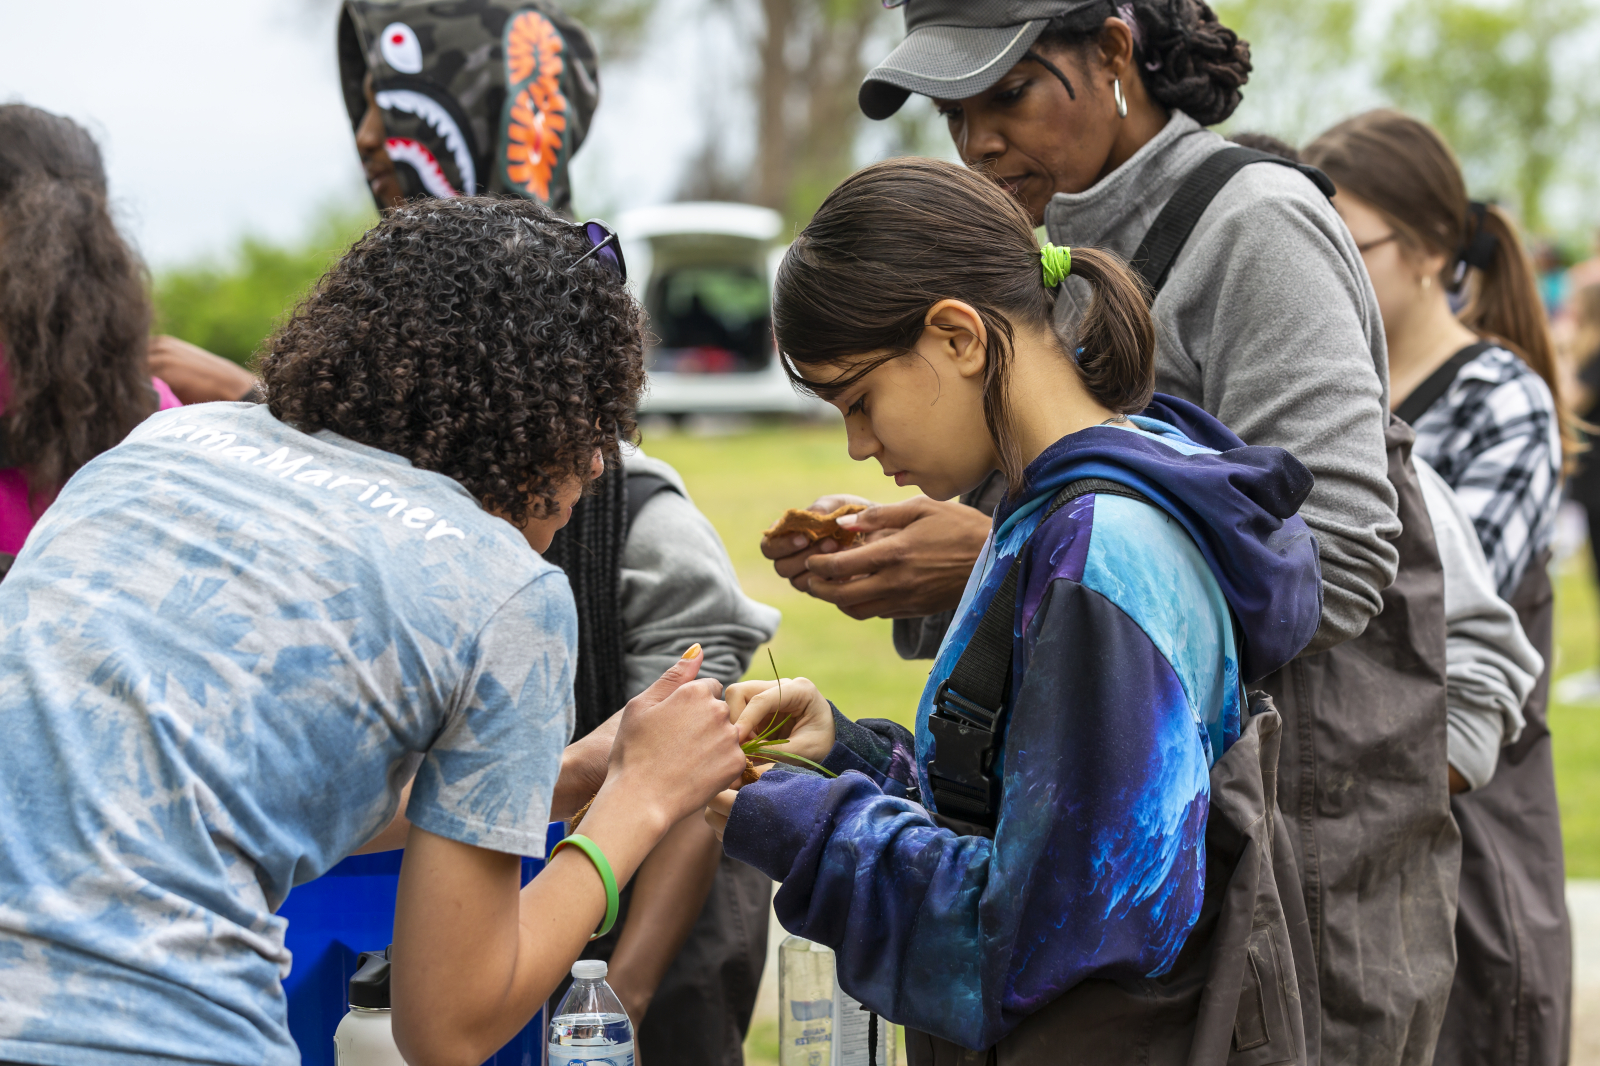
{"type": "Point", "coordinates": [964, 741]}
{"type": "Point", "coordinates": [954, 705]}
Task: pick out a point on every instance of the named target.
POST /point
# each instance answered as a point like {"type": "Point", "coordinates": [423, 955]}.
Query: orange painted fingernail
{"type": "Point", "coordinates": [693, 652]}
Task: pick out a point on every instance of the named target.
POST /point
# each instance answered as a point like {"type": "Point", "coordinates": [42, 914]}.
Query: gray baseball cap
{"type": "Point", "coordinates": [958, 48]}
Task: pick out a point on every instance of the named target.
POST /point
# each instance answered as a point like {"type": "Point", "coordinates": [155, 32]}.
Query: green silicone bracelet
{"type": "Point", "coordinates": [601, 867]}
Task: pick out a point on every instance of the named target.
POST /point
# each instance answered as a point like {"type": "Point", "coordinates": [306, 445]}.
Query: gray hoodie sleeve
{"type": "Point", "coordinates": [1490, 665]}
{"type": "Point", "coordinates": [1282, 341]}
{"type": "Point", "coordinates": [679, 588]}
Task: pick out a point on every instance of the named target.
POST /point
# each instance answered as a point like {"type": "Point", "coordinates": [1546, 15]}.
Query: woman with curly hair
{"type": "Point", "coordinates": [1093, 114]}
{"type": "Point", "coordinates": [74, 316]}
{"type": "Point", "coordinates": [241, 639]}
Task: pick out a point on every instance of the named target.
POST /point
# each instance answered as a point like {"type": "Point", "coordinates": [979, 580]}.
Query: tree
{"type": "Point", "coordinates": [811, 65]}
{"type": "Point", "coordinates": [1488, 79]}
{"type": "Point", "coordinates": [781, 122]}
{"type": "Point", "coordinates": [1505, 81]}
{"type": "Point", "coordinates": [1307, 63]}
{"type": "Point", "coordinates": [231, 307]}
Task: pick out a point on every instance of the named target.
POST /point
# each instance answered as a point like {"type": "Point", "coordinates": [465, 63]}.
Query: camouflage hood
{"type": "Point", "coordinates": [478, 96]}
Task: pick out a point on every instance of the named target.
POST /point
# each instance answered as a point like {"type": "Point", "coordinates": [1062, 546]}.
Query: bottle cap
{"type": "Point", "coordinates": [369, 987]}
{"type": "Point", "coordinates": [588, 969]}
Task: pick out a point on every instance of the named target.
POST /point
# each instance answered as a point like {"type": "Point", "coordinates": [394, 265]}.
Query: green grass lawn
{"type": "Point", "coordinates": [1575, 730]}
{"type": "Point", "coordinates": [743, 481]}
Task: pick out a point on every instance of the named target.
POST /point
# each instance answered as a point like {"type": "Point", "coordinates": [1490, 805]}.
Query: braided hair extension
{"type": "Point", "coordinates": [589, 549]}
{"type": "Point", "coordinates": [1187, 60]}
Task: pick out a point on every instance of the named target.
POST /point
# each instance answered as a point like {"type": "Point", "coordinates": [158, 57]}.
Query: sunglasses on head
{"type": "Point", "coordinates": [605, 247]}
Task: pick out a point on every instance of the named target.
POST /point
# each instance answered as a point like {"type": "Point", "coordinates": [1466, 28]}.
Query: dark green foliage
{"type": "Point", "coordinates": [230, 307]}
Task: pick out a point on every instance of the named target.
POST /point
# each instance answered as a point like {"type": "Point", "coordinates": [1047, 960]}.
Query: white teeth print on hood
{"type": "Point", "coordinates": [438, 119]}
{"type": "Point", "coordinates": [492, 96]}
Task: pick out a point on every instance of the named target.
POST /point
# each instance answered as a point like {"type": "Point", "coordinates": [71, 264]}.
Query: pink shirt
{"type": "Point", "coordinates": [16, 515]}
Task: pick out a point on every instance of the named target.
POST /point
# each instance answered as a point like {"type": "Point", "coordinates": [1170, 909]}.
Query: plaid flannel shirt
{"type": "Point", "coordinates": [1495, 439]}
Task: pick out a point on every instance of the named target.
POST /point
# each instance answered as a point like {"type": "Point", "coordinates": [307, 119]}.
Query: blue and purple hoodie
{"type": "Point", "coordinates": [1134, 627]}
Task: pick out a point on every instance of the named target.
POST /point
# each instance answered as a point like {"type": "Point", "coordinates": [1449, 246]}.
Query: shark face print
{"type": "Point", "coordinates": [445, 130]}
{"type": "Point", "coordinates": [536, 109]}
{"type": "Point", "coordinates": [400, 48]}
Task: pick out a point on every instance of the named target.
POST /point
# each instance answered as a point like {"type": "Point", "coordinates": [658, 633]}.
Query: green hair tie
{"type": "Point", "coordinates": [1057, 264]}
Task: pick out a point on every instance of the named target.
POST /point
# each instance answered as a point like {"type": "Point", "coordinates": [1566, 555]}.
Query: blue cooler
{"type": "Point", "coordinates": [348, 910]}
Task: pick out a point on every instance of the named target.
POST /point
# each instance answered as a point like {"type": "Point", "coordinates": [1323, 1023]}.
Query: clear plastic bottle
{"type": "Point", "coordinates": [819, 1024]}
{"type": "Point", "coordinates": [590, 1028]}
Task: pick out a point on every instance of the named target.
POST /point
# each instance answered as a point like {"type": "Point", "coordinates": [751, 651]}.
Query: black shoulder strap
{"type": "Point", "coordinates": [641, 488]}
{"type": "Point", "coordinates": [1177, 220]}
{"type": "Point", "coordinates": [967, 705]}
{"type": "Point", "coordinates": [1427, 394]}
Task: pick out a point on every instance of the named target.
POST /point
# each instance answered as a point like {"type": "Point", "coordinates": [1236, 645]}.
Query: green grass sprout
{"type": "Point", "coordinates": [763, 746]}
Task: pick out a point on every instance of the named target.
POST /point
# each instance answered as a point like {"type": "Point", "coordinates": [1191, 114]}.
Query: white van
{"type": "Point", "coordinates": [704, 274]}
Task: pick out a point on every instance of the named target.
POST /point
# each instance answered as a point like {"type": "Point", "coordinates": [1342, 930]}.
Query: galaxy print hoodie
{"type": "Point", "coordinates": [1135, 625]}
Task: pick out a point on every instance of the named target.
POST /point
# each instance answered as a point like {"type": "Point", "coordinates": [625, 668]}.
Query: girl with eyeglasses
{"type": "Point", "coordinates": [1474, 371]}
{"type": "Point", "coordinates": [1067, 858]}
{"type": "Point", "coordinates": [1095, 116]}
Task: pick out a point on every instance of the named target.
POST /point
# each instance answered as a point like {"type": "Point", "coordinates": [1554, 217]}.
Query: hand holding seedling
{"type": "Point", "coordinates": [787, 719]}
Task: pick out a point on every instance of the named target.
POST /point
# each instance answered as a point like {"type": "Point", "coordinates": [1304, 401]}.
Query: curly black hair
{"type": "Point", "coordinates": [458, 334]}
{"type": "Point", "coordinates": [1187, 59]}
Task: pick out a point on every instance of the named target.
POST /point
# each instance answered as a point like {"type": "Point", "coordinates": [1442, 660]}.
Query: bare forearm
{"type": "Point", "coordinates": [583, 769]}
{"type": "Point", "coordinates": [458, 998]}
{"type": "Point", "coordinates": [668, 894]}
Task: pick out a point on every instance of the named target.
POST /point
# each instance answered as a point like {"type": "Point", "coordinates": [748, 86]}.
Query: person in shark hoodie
{"type": "Point", "coordinates": [498, 95]}
{"type": "Point", "coordinates": [1062, 922]}
{"type": "Point", "coordinates": [475, 96]}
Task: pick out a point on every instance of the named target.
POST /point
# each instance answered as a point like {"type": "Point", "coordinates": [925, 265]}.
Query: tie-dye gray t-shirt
{"type": "Point", "coordinates": [224, 649]}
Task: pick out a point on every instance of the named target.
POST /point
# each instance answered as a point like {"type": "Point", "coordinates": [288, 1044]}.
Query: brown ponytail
{"type": "Point", "coordinates": [1404, 169]}
{"type": "Point", "coordinates": [899, 236]}
{"type": "Point", "coordinates": [1503, 296]}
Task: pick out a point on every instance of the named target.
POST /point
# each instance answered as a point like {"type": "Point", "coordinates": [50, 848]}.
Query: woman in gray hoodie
{"type": "Point", "coordinates": [1093, 114]}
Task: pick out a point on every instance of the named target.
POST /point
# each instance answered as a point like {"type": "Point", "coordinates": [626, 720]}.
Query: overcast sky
{"type": "Point", "coordinates": [219, 117]}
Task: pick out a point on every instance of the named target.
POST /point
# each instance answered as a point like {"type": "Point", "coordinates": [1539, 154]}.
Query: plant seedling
{"type": "Point", "coordinates": [763, 746]}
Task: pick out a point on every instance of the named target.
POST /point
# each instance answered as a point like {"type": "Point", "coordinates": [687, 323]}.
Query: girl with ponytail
{"type": "Point", "coordinates": [1480, 387]}
{"type": "Point", "coordinates": [1032, 861]}
{"type": "Point", "coordinates": [1094, 116]}
{"type": "Point", "coordinates": [1497, 433]}
{"type": "Point", "coordinates": [74, 316]}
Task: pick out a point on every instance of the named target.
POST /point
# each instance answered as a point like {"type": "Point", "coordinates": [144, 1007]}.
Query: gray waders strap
{"type": "Point", "coordinates": [967, 705]}
{"type": "Point", "coordinates": [641, 489]}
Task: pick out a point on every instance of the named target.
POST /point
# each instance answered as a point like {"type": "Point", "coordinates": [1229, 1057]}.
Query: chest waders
{"type": "Point", "coordinates": [1363, 783]}
{"type": "Point", "coordinates": [1234, 995]}
{"type": "Point", "coordinates": [1511, 1000]}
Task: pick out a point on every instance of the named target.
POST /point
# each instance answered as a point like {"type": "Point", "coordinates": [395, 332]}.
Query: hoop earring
{"type": "Point", "coordinates": [1122, 101]}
